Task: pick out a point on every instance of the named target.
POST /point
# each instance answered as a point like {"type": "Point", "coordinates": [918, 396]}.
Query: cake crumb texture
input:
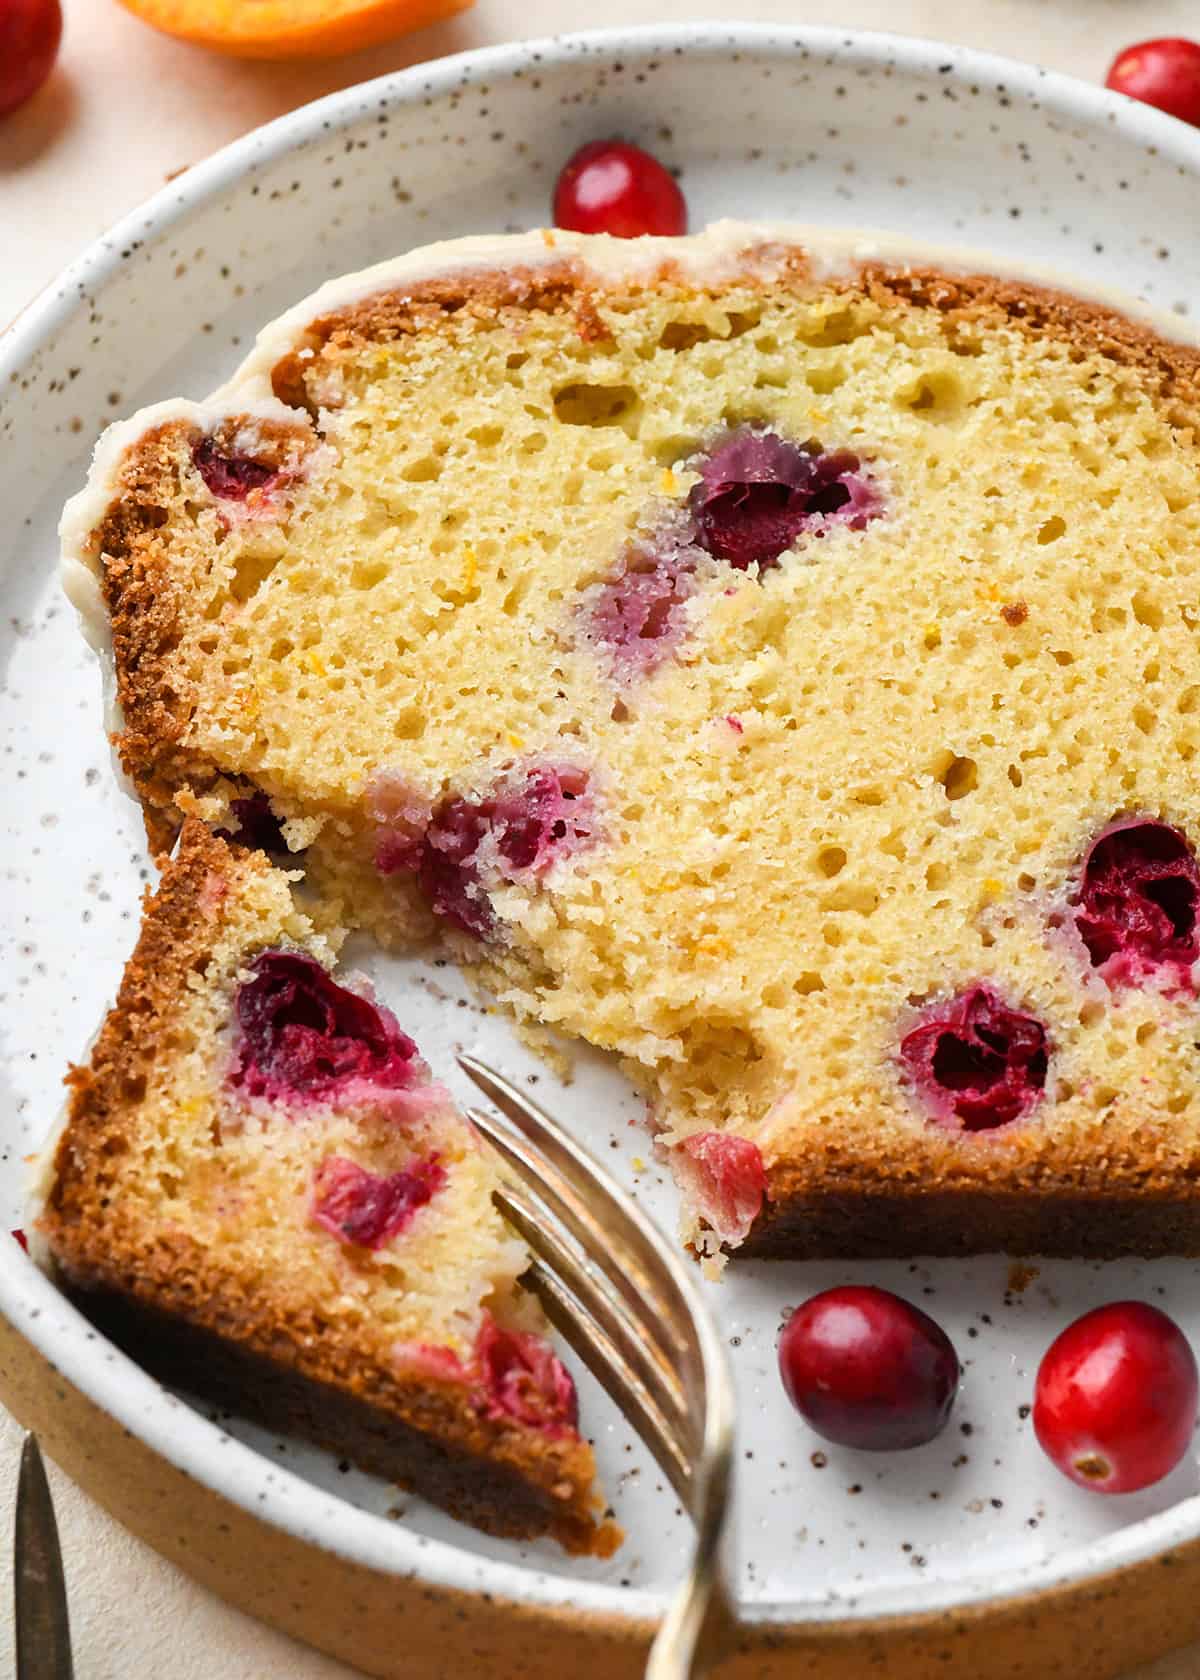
{"type": "Point", "coordinates": [860, 784]}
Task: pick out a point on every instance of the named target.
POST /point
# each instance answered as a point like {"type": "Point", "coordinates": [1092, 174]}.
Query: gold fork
{"type": "Point", "coordinates": [625, 1301]}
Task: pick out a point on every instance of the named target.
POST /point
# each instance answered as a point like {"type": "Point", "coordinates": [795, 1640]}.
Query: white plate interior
{"type": "Point", "coordinates": [932, 142]}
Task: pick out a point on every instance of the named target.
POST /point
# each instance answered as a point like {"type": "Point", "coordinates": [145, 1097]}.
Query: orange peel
{"type": "Point", "coordinates": [290, 28]}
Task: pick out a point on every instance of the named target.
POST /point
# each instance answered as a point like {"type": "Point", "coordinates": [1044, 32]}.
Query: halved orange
{"type": "Point", "coordinates": [291, 28]}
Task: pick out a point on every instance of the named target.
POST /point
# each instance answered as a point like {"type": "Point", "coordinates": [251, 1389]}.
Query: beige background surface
{"type": "Point", "coordinates": [125, 109]}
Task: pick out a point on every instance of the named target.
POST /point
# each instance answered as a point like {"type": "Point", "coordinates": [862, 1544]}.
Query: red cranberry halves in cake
{"type": "Point", "coordinates": [514, 1374]}
{"type": "Point", "coordinates": [725, 1178]}
{"type": "Point", "coordinates": [636, 617]}
{"type": "Point", "coordinates": [758, 492]}
{"type": "Point", "coordinates": [230, 475]}
{"type": "Point", "coordinates": [366, 1208]}
{"type": "Point", "coordinates": [976, 1063]}
{"type": "Point", "coordinates": [1137, 902]}
{"type": "Point", "coordinates": [302, 1035]}
{"type": "Point", "coordinates": [532, 819]}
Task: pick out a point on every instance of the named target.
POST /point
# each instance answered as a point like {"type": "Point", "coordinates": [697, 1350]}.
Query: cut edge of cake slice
{"type": "Point", "coordinates": [260, 1194]}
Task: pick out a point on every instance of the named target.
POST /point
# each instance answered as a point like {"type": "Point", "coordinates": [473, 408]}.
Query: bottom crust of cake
{"type": "Point", "coordinates": [858, 1225]}
{"type": "Point", "coordinates": [490, 1496]}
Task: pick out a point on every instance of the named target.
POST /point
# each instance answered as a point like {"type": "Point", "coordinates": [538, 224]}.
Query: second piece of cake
{"type": "Point", "coordinates": [260, 1194]}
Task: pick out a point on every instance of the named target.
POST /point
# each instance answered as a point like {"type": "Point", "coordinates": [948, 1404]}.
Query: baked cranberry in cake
{"type": "Point", "coordinates": [523, 1379]}
{"type": "Point", "coordinates": [255, 825]}
{"type": "Point", "coordinates": [758, 492]}
{"type": "Point", "coordinates": [724, 1178]}
{"type": "Point", "coordinates": [447, 866]}
{"type": "Point", "coordinates": [369, 1209]}
{"type": "Point", "coordinates": [977, 1063]}
{"type": "Point", "coordinates": [534, 818]}
{"type": "Point", "coordinates": [544, 819]}
{"type": "Point", "coordinates": [636, 617]}
{"type": "Point", "coordinates": [230, 475]}
{"type": "Point", "coordinates": [513, 1373]}
{"type": "Point", "coordinates": [1138, 897]}
{"type": "Point", "coordinates": [303, 1035]}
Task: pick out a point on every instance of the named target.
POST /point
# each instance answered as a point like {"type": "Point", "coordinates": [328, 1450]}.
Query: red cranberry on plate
{"type": "Point", "coordinates": [609, 186]}
{"type": "Point", "coordinates": [1164, 72]}
{"type": "Point", "coordinates": [1115, 1400]}
{"type": "Point", "coordinates": [867, 1369]}
{"type": "Point", "coordinates": [30, 31]}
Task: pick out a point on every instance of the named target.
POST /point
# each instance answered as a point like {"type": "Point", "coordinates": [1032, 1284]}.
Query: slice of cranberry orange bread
{"type": "Point", "coordinates": [771, 662]}
{"type": "Point", "coordinates": [260, 1193]}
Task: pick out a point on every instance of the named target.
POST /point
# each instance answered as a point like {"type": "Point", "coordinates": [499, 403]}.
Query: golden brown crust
{"type": "Point", "coordinates": [141, 594]}
{"type": "Point", "coordinates": [418, 1446]}
{"type": "Point", "coordinates": [178, 929]}
{"type": "Point", "coordinates": [193, 1320]}
{"type": "Point", "coordinates": [1021, 1189]}
{"type": "Point", "coordinates": [145, 601]}
{"type": "Point", "coordinates": [880, 1221]}
{"type": "Point", "coordinates": [1170, 369]}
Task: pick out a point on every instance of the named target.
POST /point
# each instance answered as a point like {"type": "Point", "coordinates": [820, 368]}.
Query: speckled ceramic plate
{"type": "Point", "coordinates": [814, 126]}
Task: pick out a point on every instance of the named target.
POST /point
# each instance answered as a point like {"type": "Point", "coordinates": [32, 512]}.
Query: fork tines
{"type": "Point", "coordinates": [626, 1302]}
{"type": "Point", "coordinates": [608, 1282]}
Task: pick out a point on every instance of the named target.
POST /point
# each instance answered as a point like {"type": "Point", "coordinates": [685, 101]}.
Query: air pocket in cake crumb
{"type": "Point", "coordinates": [958, 774]}
{"type": "Point", "coordinates": [584, 404]}
{"type": "Point", "coordinates": [934, 393]}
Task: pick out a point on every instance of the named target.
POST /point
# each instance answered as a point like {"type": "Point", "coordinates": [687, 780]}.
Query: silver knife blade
{"type": "Point", "coordinates": [40, 1592]}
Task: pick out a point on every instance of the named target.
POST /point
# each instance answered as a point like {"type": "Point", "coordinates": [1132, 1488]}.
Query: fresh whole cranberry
{"type": "Point", "coordinates": [1138, 897]}
{"type": "Point", "coordinates": [867, 1369]}
{"type": "Point", "coordinates": [758, 492]}
{"type": "Point", "coordinates": [1163, 72]}
{"type": "Point", "coordinates": [1115, 1401]}
{"type": "Point", "coordinates": [303, 1035]}
{"type": "Point", "coordinates": [30, 31]}
{"type": "Point", "coordinates": [976, 1063]}
{"type": "Point", "coordinates": [609, 186]}
{"type": "Point", "coordinates": [368, 1210]}
{"type": "Point", "coordinates": [229, 476]}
